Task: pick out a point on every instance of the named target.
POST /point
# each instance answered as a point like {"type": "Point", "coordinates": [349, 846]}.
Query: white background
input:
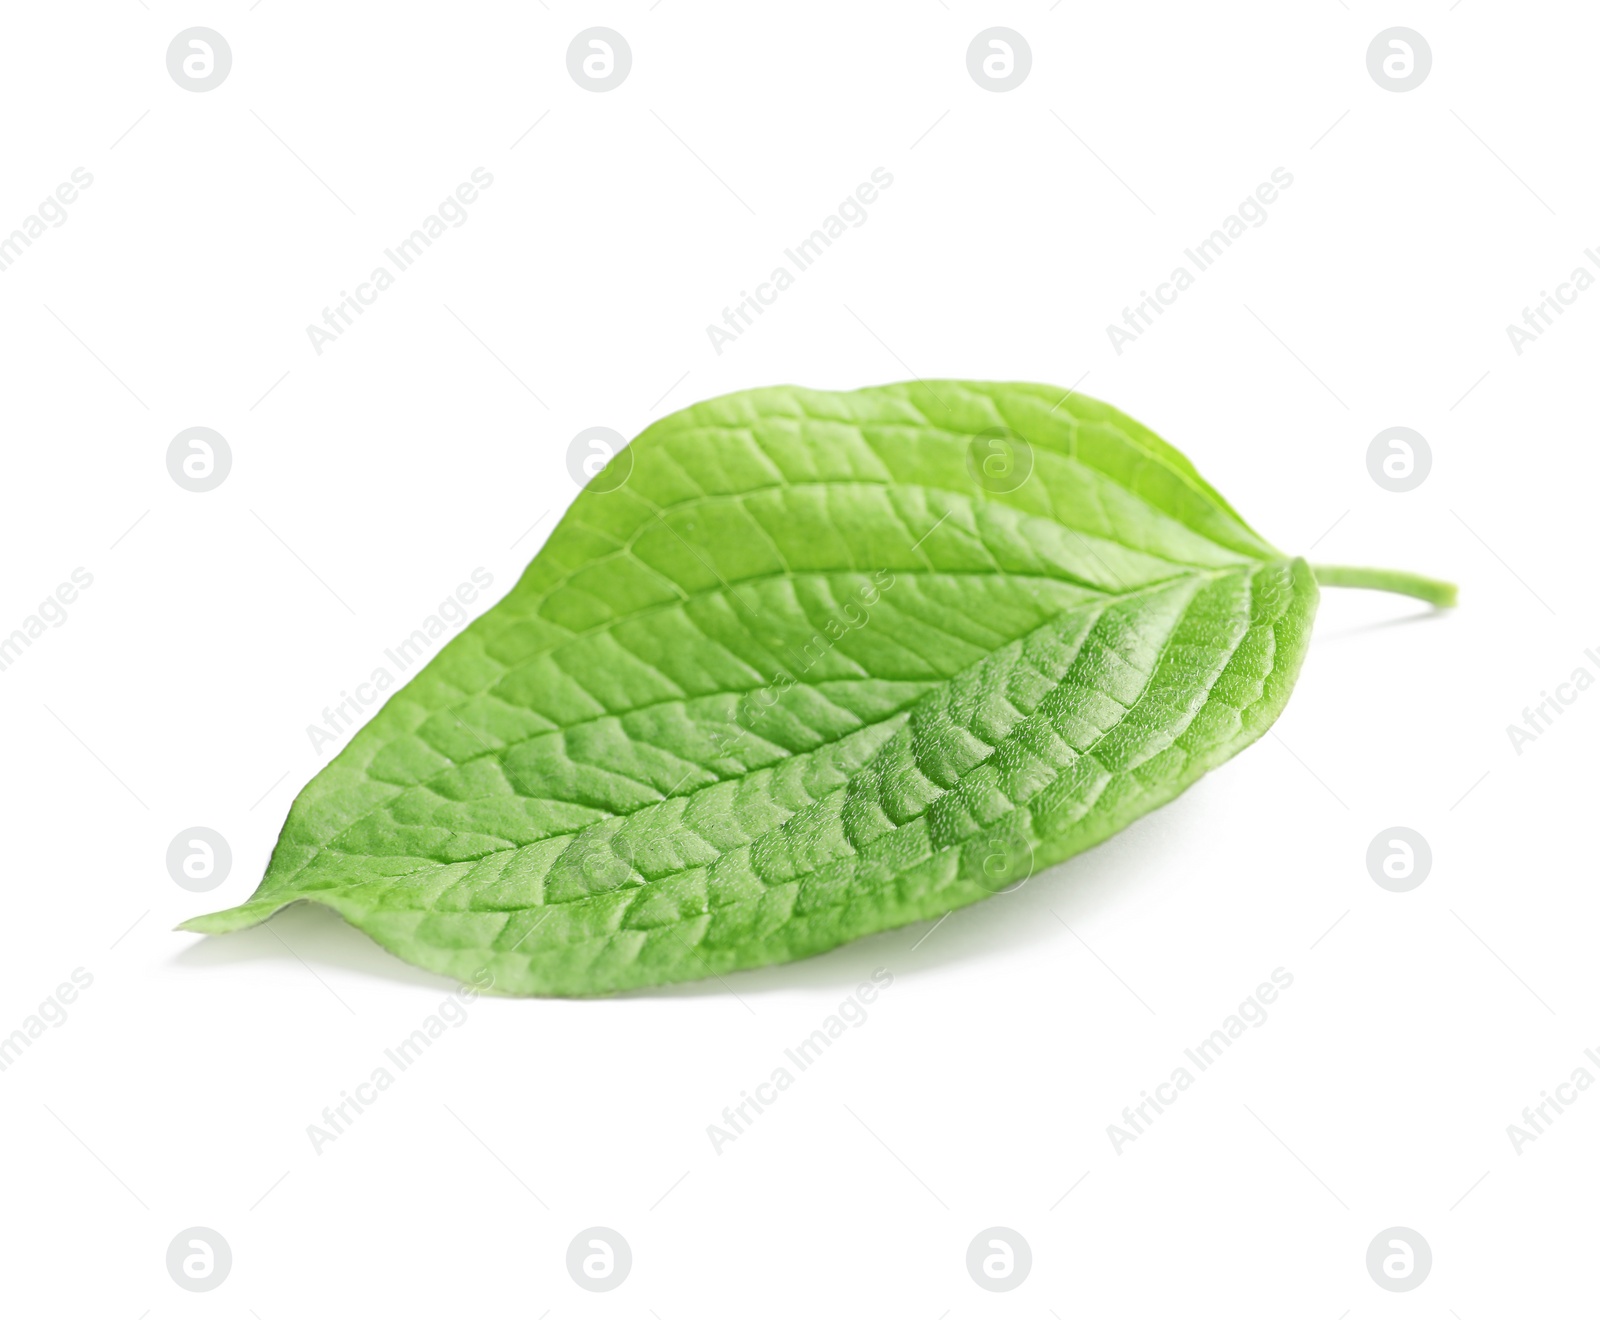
{"type": "Point", "coordinates": [370, 480]}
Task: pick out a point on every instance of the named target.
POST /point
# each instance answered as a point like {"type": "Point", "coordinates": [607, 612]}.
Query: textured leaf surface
{"type": "Point", "coordinates": [799, 679]}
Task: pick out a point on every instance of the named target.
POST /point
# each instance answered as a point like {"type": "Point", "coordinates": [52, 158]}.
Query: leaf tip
{"type": "Point", "coordinates": [230, 919]}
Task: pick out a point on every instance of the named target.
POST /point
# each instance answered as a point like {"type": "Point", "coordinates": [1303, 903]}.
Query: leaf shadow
{"type": "Point", "coordinates": [1380, 625]}
{"type": "Point", "coordinates": [317, 936]}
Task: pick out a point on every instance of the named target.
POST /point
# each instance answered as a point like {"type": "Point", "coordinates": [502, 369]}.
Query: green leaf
{"type": "Point", "coordinates": [823, 664]}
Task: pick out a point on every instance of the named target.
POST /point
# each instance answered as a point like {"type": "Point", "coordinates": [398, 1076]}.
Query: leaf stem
{"type": "Point", "coordinates": [1433, 591]}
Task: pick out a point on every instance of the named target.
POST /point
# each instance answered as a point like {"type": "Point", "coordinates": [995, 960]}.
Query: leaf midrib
{"type": "Point", "coordinates": [632, 891]}
{"type": "Point", "coordinates": [1103, 600]}
{"type": "Point", "coordinates": [1100, 605]}
{"type": "Point", "coordinates": [551, 649]}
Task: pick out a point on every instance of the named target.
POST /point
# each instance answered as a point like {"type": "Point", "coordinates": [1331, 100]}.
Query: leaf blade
{"type": "Point", "coordinates": [585, 791]}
